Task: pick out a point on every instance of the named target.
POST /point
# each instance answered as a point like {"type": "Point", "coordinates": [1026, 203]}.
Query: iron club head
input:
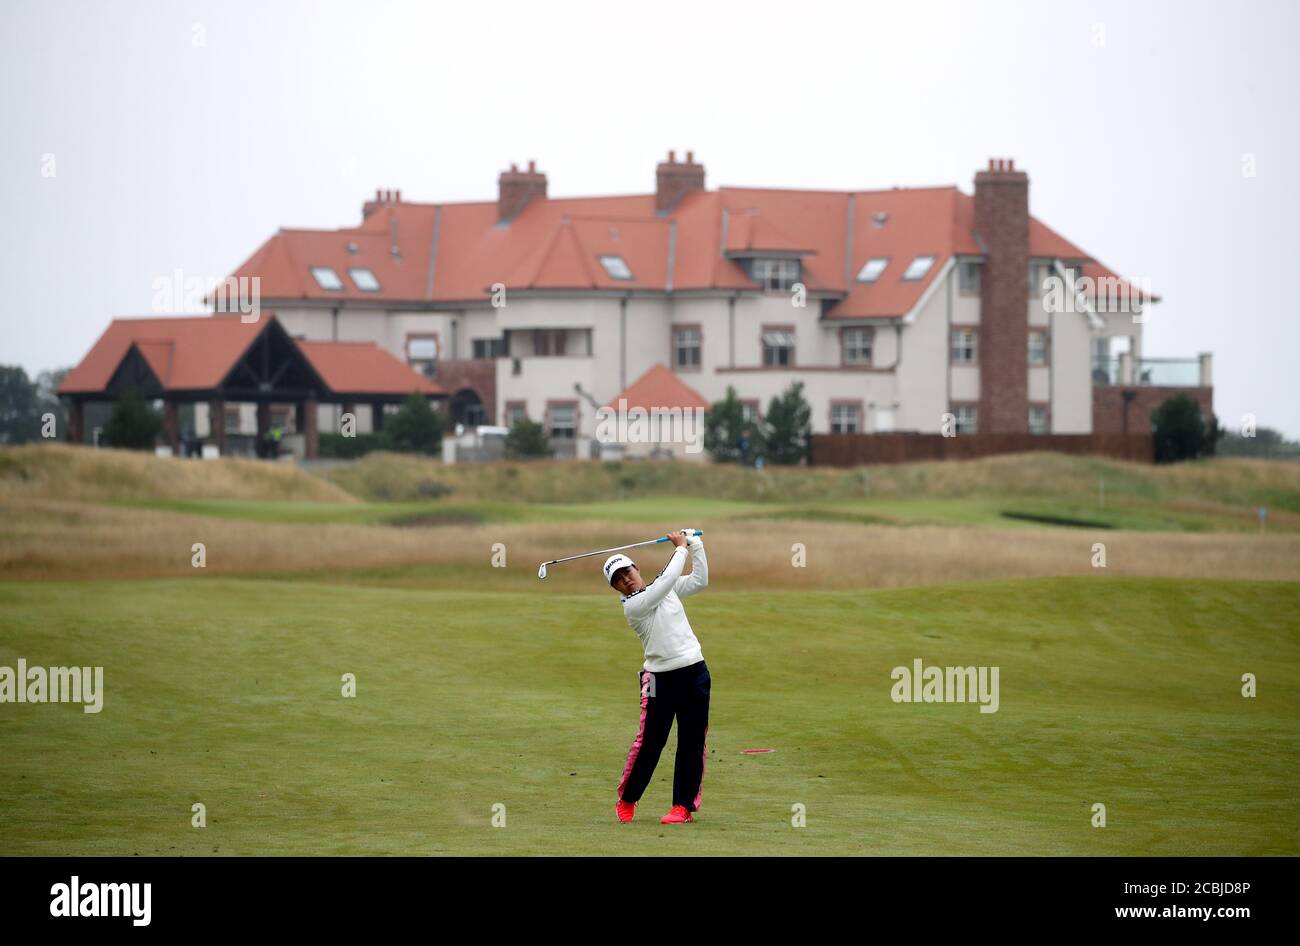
{"type": "Point", "coordinates": [541, 570]}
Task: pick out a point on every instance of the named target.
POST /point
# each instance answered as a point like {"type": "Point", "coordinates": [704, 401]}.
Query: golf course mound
{"type": "Point", "coordinates": [62, 472]}
{"type": "Point", "coordinates": [1240, 483]}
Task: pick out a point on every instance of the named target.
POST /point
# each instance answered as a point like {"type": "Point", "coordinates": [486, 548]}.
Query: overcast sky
{"type": "Point", "coordinates": [1160, 137]}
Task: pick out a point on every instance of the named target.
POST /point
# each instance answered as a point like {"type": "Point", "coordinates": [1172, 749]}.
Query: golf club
{"type": "Point", "coordinates": [541, 569]}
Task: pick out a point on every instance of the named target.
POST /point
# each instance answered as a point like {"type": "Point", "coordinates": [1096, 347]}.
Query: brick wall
{"type": "Point", "coordinates": [1002, 225]}
{"type": "Point", "coordinates": [1108, 406]}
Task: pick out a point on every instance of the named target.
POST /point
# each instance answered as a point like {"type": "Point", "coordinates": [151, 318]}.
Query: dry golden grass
{"type": "Point", "coordinates": [59, 540]}
{"type": "Point", "coordinates": [1219, 481]}
{"type": "Point", "coordinates": [60, 471]}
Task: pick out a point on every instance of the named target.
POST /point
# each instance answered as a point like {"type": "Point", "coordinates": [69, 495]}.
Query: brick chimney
{"type": "Point", "coordinates": [383, 198]}
{"type": "Point", "coordinates": [1002, 229]}
{"type": "Point", "coordinates": [674, 181]}
{"type": "Point", "coordinates": [516, 188]}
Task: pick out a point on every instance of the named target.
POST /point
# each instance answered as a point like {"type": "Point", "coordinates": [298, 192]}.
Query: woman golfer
{"type": "Point", "coordinates": [674, 680]}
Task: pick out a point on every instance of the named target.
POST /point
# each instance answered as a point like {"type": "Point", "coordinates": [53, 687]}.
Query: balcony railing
{"type": "Point", "coordinates": [1157, 372]}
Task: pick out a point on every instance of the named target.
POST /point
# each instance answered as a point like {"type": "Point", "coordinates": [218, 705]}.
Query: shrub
{"type": "Point", "coordinates": [349, 448]}
{"type": "Point", "coordinates": [416, 427]}
{"type": "Point", "coordinates": [1178, 429]}
{"type": "Point", "coordinates": [133, 425]}
{"type": "Point", "coordinates": [527, 440]}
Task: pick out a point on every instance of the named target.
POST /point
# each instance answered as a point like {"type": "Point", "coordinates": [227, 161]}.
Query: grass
{"type": "Point", "coordinates": [60, 471]}
{"type": "Point", "coordinates": [226, 692]}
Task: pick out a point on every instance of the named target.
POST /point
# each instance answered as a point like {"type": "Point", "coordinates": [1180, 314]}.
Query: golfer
{"type": "Point", "coordinates": [674, 680]}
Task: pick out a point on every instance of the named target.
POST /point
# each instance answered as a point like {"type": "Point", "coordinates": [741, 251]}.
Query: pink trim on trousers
{"type": "Point", "coordinates": [704, 757]}
{"type": "Point", "coordinates": [635, 750]}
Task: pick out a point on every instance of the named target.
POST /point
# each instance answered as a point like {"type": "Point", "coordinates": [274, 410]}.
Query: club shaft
{"type": "Point", "coordinates": [617, 548]}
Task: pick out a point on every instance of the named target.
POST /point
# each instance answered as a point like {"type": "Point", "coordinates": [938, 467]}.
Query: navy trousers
{"type": "Point", "coordinates": [683, 695]}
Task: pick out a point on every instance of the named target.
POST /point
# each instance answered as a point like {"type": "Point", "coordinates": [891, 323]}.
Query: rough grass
{"type": "Point", "coordinates": [60, 471]}
{"type": "Point", "coordinates": [227, 692]}
{"type": "Point", "coordinates": [45, 540]}
{"type": "Point", "coordinates": [1233, 482]}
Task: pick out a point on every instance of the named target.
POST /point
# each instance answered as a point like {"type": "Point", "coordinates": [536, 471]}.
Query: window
{"type": "Point", "coordinates": [549, 341]}
{"type": "Point", "coordinates": [749, 411]}
{"type": "Point", "coordinates": [1037, 419]}
{"type": "Point", "coordinates": [778, 348]}
{"type": "Point", "coordinates": [1038, 348]}
{"type": "Point", "coordinates": [488, 347]}
{"type": "Point", "coordinates": [963, 346]}
{"type": "Point", "coordinates": [857, 345]}
{"type": "Point", "coordinates": [563, 421]}
{"type": "Point", "coordinates": [872, 269]}
{"type": "Point", "coordinates": [232, 420]}
{"type": "Point", "coordinates": [918, 268]}
{"type": "Point", "coordinates": [775, 274]}
{"type": "Point", "coordinates": [422, 353]}
{"type": "Point", "coordinates": [966, 418]}
{"type": "Point", "coordinates": [968, 275]}
{"type": "Point", "coordinates": [686, 348]}
{"type": "Point", "coordinates": [515, 412]}
{"type": "Point", "coordinates": [846, 418]}
{"type": "Point", "coordinates": [616, 267]}
{"type": "Point", "coordinates": [364, 279]}
{"type": "Point", "coordinates": [326, 278]}
{"type": "Point", "coordinates": [1039, 271]}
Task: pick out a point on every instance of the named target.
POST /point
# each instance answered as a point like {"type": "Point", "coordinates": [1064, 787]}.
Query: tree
{"type": "Point", "coordinates": [789, 424]}
{"type": "Point", "coordinates": [20, 416]}
{"type": "Point", "coordinates": [1179, 429]}
{"type": "Point", "coordinates": [47, 398]}
{"type": "Point", "coordinates": [133, 425]}
{"type": "Point", "coordinates": [526, 440]}
{"type": "Point", "coordinates": [724, 425]}
{"type": "Point", "coordinates": [1213, 434]}
{"type": "Point", "coordinates": [416, 427]}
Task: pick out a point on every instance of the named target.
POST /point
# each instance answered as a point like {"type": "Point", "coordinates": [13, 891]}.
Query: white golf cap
{"type": "Point", "coordinates": [613, 564]}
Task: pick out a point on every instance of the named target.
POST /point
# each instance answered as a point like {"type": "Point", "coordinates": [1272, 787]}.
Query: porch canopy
{"type": "Point", "coordinates": [217, 359]}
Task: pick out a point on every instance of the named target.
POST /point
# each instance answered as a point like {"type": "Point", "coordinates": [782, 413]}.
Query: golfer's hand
{"type": "Point", "coordinates": [676, 538]}
{"type": "Point", "coordinates": [692, 539]}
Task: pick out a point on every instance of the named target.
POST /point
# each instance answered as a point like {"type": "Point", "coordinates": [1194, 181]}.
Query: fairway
{"type": "Point", "coordinates": [226, 692]}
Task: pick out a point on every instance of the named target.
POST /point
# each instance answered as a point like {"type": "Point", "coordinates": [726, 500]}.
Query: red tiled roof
{"type": "Point", "coordinates": [364, 368]}
{"type": "Point", "coordinates": [185, 353]}
{"type": "Point", "coordinates": [659, 388]}
{"type": "Point", "coordinates": [196, 353]}
{"type": "Point", "coordinates": [555, 243]}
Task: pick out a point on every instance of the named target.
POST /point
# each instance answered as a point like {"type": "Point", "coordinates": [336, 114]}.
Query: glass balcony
{"type": "Point", "coordinates": [1158, 372]}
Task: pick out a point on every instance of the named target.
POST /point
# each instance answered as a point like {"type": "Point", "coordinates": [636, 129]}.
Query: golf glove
{"type": "Point", "coordinates": [691, 539]}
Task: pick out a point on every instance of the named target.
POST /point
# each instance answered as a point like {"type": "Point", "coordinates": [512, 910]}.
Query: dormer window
{"type": "Point", "coordinates": [616, 267]}
{"type": "Point", "coordinates": [776, 275]}
{"type": "Point", "coordinates": [326, 278]}
{"type": "Point", "coordinates": [918, 268]}
{"type": "Point", "coordinates": [364, 279]}
{"type": "Point", "coordinates": [872, 269]}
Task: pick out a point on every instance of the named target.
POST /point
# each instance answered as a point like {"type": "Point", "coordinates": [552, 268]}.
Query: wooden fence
{"type": "Point", "coordinates": [862, 449]}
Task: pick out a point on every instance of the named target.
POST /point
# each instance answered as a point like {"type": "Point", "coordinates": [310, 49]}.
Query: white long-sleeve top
{"type": "Point", "coordinates": [656, 613]}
